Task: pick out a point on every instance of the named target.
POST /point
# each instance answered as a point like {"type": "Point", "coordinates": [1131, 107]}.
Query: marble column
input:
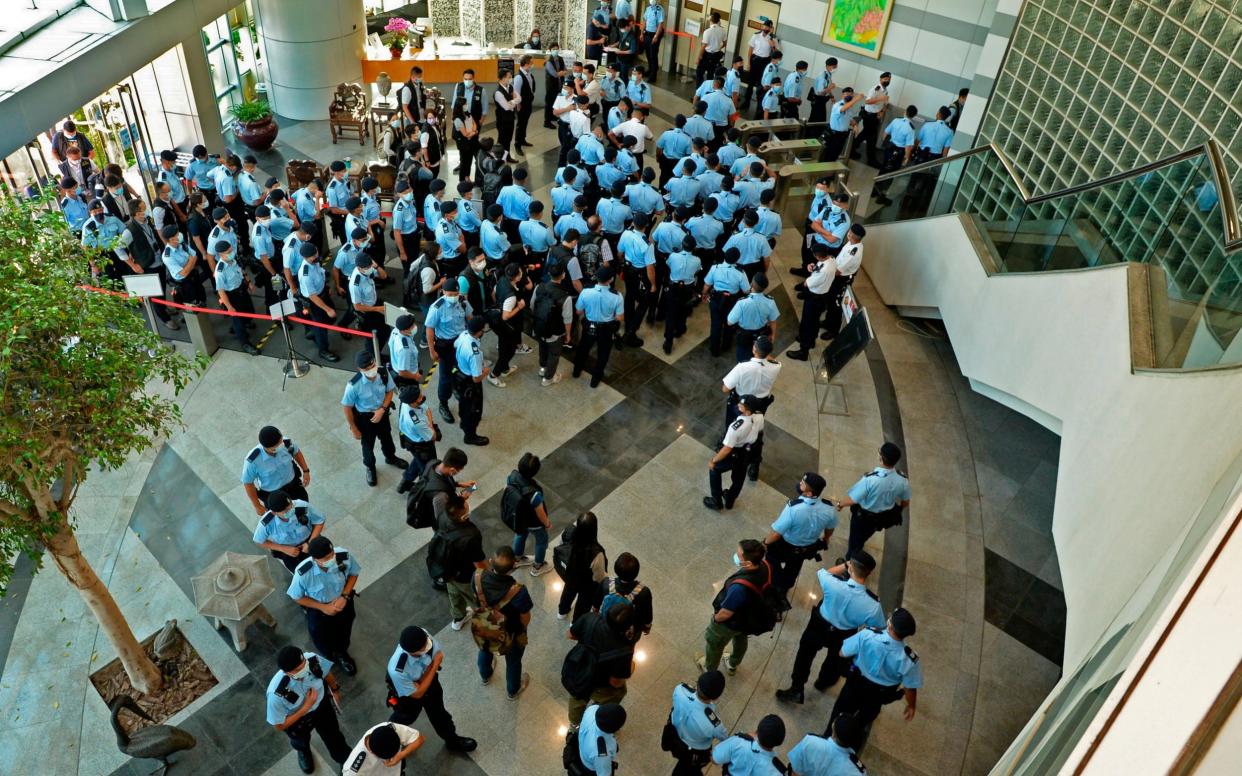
{"type": "Point", "coordinates": [311, 46]}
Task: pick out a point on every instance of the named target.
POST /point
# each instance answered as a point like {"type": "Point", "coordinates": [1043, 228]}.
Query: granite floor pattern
{"type": "Point", "coordinates": [633, 451]}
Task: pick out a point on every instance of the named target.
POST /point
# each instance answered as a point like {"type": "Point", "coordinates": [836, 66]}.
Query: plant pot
{"type": "Point", "coordinates": [257, 135]}
{"type": "Point", "coordinates": [396, 51]}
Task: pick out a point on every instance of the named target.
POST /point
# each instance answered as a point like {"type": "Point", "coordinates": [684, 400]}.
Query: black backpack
{"type": "Point", "coordinates": [443, 553]}
{"type": "Point", "coordinates": [581, 669]}
{"type": "Point", "coordinates": [549, 299]}
{"type": "Point", "coordinates": [763, 611]}
{"type": "Point", "coordinates": [412, 290]}
{"type": "Point", "coordinates": [419, 513]}
{"type": "Point", "coordinates": [590, 257]}
{"type": "Point", "coordinates": [511, 512]}
{"type": "Point", "coordinates": [490, 166]}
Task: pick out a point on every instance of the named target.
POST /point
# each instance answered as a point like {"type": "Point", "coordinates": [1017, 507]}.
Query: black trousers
{"type": "Point", "coordinates": [637, 297]}
{"type": "Point", "coordinates": [448, 362]}
{"type": "Point", "coordinates": [320, 336]}
{"type": "Point", "coordinates": [240, 299]}
{"type": "Point", "coordinates": [581, 597]}
{"type": "Point", "coordinates": [676, 307]}
{"type": "Point", "coordinates": [330, 633]}
{"type": "Point", "coordinates": [813, 307]}
{"type": "Point", "coordinates": [600, 335]}
{"type": "Point", "coordinates": [819, 110]}
{"type": "Point", "coordinates": [651, 47]}
{"type": "Point", "coordinates": [408, 710]}
{"type": "Point", "coordinates": [835, 144]}
{"type": "Point", "coordinates": [753, 76]}
{"type": "Point", "coordinates": [863, 698]}
{"type": "Point", "coordinates": [469, 403]}
{"type": "Point", "coordinates": [468, 148]}
{"type": "Point", "coordinates": [863, 525]}
{"type": "Point", "coordinates": [735, 465]}
{"type": "Point", "coordinates": [504, 128]}
{"type": "Point", "coordinates": [707, 66]}
{"type": "Point", "coordinates": [372, 321]}
{"type": "Point", "coordinates": [507, 340]}
{"type": "Point", "coordinates": [237, 210]}
{"type": "Point", "coordinates": [721, 333]}
{"type": "Point", "coordinates": [870, 135]}
{"type": "Point", "coordinates": [523, 119]}
{"type": "Point", "coordinates": [372, 431]}
{"type": "Point", "coordinates": [817, 635]}
{"type": "Point", "coordinates": [551, 88]}
{"type": "Point", "coordinates": [324, 722]}
{"type": "Point", "coordinates": [832, 317]}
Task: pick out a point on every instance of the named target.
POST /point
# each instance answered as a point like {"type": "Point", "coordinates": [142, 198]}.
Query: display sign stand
{"type": "Point", "coordinates": [145, 287]}
{"type": "Point", "coordinates": [293, 367]}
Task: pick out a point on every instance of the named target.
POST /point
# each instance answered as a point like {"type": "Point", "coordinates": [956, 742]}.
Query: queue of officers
{"type": "Point", "coordinates": [608, 614]}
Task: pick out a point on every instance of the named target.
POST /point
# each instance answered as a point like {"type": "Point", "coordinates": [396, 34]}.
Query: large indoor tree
{"type": "Point", "coordinates": [76, 371]}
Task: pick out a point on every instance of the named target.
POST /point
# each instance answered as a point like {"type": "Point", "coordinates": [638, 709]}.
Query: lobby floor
{"type": "Point", "coordinates": [974, 562]}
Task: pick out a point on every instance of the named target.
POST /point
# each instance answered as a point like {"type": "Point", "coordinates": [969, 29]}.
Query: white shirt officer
{"type": "Point", "coordinates": [818, 756]}
{"type": "Point", "coordinates": [695, 719]}
{"type": "Point", "coordinates": [363, 762]}
{"type": "Point", "coordinates": [754, 377]}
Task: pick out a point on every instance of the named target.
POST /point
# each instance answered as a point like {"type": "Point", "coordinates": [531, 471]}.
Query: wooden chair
{"type": "Point", "coordinates": [299, 172]}
{"type": "Point", "coordinates": [348, 113]}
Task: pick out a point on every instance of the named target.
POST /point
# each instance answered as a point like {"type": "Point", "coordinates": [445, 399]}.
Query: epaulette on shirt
{"type": "Point", "coordinates": [288, 444]}
{"type": "Point", "coordinates": [874, 597]}
{"type": "Point", "coordinates": [602, 745]}
{"type": "Point", "coordinates": [857, 763]}
{"type": "Point", "coordinates": [305, 566]}
{"type": "Point", "coordinates": [910, 653]}
{"type": "Point", "coordinates": [794, 501]}
{"type": "Point", "coordinates": [355, 378]}
{"type": "Point", "coordinates": [401, 661]}
{"type": "Point", "coordinates": [405, 341]}
{"type": "Point", "coordinates": [711, 715]}
{"type": "Point", "coordinates": [687, 686]}
{"type": "Point", "coordinates": [875, 630]}
{"type": "Point", "coordinates": [356, 765]}
{"type": "Point", "coordinates": [736, 424]}
{"type": "Point", "coordinates": [357, 279]}
{"type": "Point", "coordinates": [254, 454]}
{"type": "Point", "coordinates": [267, 518]}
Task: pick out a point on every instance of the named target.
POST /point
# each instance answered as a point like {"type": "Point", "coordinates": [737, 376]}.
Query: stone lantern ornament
{"type": "Point", "coordinates": [230, 592]}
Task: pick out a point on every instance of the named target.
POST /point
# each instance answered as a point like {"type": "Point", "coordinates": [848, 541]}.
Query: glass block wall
{"type": "Point", "coordinates": [1094, 87]}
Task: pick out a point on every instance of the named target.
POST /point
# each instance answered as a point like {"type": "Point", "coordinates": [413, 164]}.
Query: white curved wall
{"type": "Point", "coordinates": [311, 46]}
{"type": "Point", "coordinates": [1139, 452]}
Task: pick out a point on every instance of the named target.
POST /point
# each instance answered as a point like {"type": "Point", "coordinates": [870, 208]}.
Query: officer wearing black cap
{"type": "Point", "coordinates": [365, 298]}
{"type": "Point", "coordinates": [847, 605]}
{"type": "Point", "coordinates": [276, 463]}
{"type": "Point", "coordinates": [884, 670]}
{"type": "Point", "coordinates": [803, 528]}
{"type": "Point", "coordinates": [753, 754]}
{"type": "Point", "coordinates": [323, 585]}
{"type": "Point", "coordinates": [368, 397]}
{"type": "Point", "coordinates": [692, 725]}
{"type": "Point", "coordinates": [596, 741]}
{"type": "Point", "coordinates": [734, 455]}
{"type": "Point", "coordinates": [302, 697]}
{"type": "Point", "coordinates": [603, 310]}
{"type": "Point", "coordinates": [836, 756]}
{"type": "Point", "coordinates": [287, 527]}
{"type": "Point", "coordinates": [413, 678]}
{"type": "Point", "coordinates": [182, 267]}
{"type": "Point", "coordinates": [468, 375]}
{"type": "Point", "coordinates": [877, 500]}
{"type": "Point", "coordinates": [312, 285]}
{"type": "Point", "coordinates": [337, 195]}
{"type": "Point", "coordinates": [403, 353]}
{"type": "Point", "coordinates": [383, 749]}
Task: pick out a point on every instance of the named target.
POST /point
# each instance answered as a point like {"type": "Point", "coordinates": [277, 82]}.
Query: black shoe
{"type": "Point", "coordinates": [577, 373]}
{"type": "Point", "coordinates": [251, 349]}
{"type": "Point", "coordinates": [393, 460]}
{"type": "Point", "coordinates": [800, 287]}
{"type": "Point", "coordinates": [798, 354]}
{"type": "Point", "coordinates": [475, 439]}
{"type": "Point", "coordinates": [827, 337]}
{"type": "Point", "coordinates": [328, 355]}
{"type": "Point", "coordinates": [371, 479]}
{"type": "Point", "coordinates": [595, 382]}
{"type": "Point", "coordinates": [823, 686]}
{"type": "Point", "coordinates": [439, 584]}
{"type": "Point", "coordinates": [792, 695]}
{"type": "Point", "coordinates": [306, 761]}
{"type": "Point", "coordinates": [446, 414]}
{"type": "Point", "coordinates": [461, 744]}
{"type": "Point", "coordinates": [347, 664]}
{"type": "Point", "coordinates": [799, 272]}
{"type": "Point", "coordinates": [405, 486]}
{"type": "Point", "coordinates": [633, 341]}
{"type": "Point", "coordinates": [753, 475]}
{"type": "Point", "coordinates": [728, 503]}
{"type": "Point", "coordinates": [667, 348]}
{"type": "Point", "coordinates": [549, 125]}
{"type": "Point", "coordinates": [712, 503]}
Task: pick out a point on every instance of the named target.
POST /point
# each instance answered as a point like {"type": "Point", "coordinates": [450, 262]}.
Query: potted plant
{"type": "Point", "coordinates": [254, 124]}
{"type": "Point", "coordinates": [398, 30]}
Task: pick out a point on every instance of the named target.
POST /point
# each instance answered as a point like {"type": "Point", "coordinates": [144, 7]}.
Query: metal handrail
{"type": "Point", "coordinates": [1209, 148]}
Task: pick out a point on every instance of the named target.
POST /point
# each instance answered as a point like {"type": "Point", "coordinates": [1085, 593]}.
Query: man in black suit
{"type": "Point", "coordinates": [524, 84]}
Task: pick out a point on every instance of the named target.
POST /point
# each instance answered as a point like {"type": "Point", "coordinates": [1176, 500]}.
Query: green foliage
{"type": "Point", "coordinates": [74, 373]}
{"type": "Point", "coordinates": [251, 110]}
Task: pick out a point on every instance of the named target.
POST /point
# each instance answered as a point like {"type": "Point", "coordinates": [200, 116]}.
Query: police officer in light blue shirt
{"type": "Point", "coordinates": [179, 263]}
{"type": "Point", "coordinates": [468, 379]}
{"type": "Point", "coordinates": [264, 248]}
{"type": "Point", "coordinates": [323, 585]}
{"type": "Point", "coordinates": [448, 234]}
{"type": "Point", "coordinates": [276, 463]}
{"type": "Point", "coordinates": [796, 535]}
{"type": "Point", "coordinates": [492, 239]}
{"type": "Point", "coordinates": [573, 220]}
{"type": "Point", "coordinates": [603, 309]}
{"type": "Point", "coordinates": [730, 152]}
{"type": "Point", "coordinates": [754, 314]}
{"type": "Point", "coordinates": [580, 178]}
{"type": "Point", "coordinates": [934, 137]}
{"type": "Point", "coordinates": [618, 113]}
{"type": "Point", "coordinates": [639, 91]}
{"type": "Point", "coordinates": [198, 171]}
{"type": "Point", "coordinates": [733, 79]}
{"type": "Point", "coordinates": [879, 492]}
{"type": "Point", "coordinates": [753, 754]}
{"type": "Point", "coordinates": [297, 704]}
{"type": "Point", "coordinates": [752, 247]}
{"type": "Point", "coordinates": [168, 174]}
{"type": "Point", "coordinates": [287, 527]}
{"type": "Point", "coordinates": [223, 231]}
{"type": "Point", "coordinates": [643, 197]}
{"type": "Point", "coordinates": [625, 160]}
{"type": "Point", "coordinates": [698, 125]}
{"type": "Point", "coordinates": [771, 105]}
{"type": "Point", "coordinates": [669, 234]}
{"type": "Point", "coordinates": [884, 670]}
{"type": "Point", "coordinates": [591, 148]}
{"type": "Point", "coordinates": [608, 174]}
{"type": "Point", "coordinates": [224, 176]}
{"type": "Point", "coordinates": [706, 231]}
{"type": "Point", "coordinates": [563, 196]}
{"type": "Point", "coordinates": [695, 723]}
{"type": "Point", "coordinates": [311, 280]}
{"type": "Point", "coordinates": [291, 255]}
{"type": "Point", "coordinates": [247, 187]}
{"type": "Point", "coordinates": [653, 17]}
{"type": "Point", "coordinates": [536, 236]}
{"type": "Point", "coordinates": [832, 222]}
{"type": "Point", "coordinates": [405, 223]}
{"type": "Point", "coordinates": [403, 352]}
{"type": "Point", "coordinates": [727, 201]}
{"type": "Point", "coordinates": [514, 201]}
{"type": "Point", "coordinates": [613, 213]}
{"type": "Point", "coordinates": [791, 91]}
{"type": "Point", "coordinates": [597, 735]}
{"type": "Point", "coordinates": [366, 401]}
{"type": "Point", "coordinates": [683, 191]}
{"type": "Point", "coordinates": [719, 107]}
{"type": "Point", "coordinates": [73, 205]}
{"type": "Point", "coordinates": [900, 131]}
{"type": "Point", "coordinates": [432, 206]}
{"type": "Point", "coordinates": [446, 318]}
{"type": "Point", "coordinates": [769, 221]}
{"type": "Point", "coordinates": [837, 756]}
{"type": "Point", "coordinates": [847, 605]}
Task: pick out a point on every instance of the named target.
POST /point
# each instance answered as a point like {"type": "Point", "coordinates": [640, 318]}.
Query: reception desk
{"type": "Point", "coordinates": [443, 62]}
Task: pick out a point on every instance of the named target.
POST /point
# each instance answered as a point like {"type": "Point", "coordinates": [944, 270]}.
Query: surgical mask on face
{"type": "Point", "coordinates": [431, 120]}
{"type": "Point", "coordinates": [468, 81]}
{"type": "Point", "coordinates": [371, 373]}
{"type": "Point", "coordinates": [820, 193]}
{"type": "Point", "coordinates": [535, 39]}
{"type": "Point", "coordinates": [634, 79]}
{"type": "Point", "coordinates": [737, 561]}
{"type": "Point", "coordinates": [302, 672]}
{"type": "Point", "coordinates": [479, 266]}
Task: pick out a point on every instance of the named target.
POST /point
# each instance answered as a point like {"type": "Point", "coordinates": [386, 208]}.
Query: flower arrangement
{"type": "Point", "coordinates": [398, 30]}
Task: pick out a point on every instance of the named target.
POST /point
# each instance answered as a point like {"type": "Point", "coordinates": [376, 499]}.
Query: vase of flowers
{"type": "Point", "coordinates": [398, 30]}
{"type": "Point", "coordinates": [254, 124]}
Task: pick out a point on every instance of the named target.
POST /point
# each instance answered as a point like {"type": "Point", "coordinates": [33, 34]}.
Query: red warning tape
{"type": "Point", "coordinates": [213, 311]}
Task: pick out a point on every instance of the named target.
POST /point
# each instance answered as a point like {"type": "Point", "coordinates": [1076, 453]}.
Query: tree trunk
{"type": "Point", "coordinates": [142, 672]}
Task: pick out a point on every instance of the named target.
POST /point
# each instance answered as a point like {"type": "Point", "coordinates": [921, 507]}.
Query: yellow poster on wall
{"type": "Point", "coordinates": [857, 25]}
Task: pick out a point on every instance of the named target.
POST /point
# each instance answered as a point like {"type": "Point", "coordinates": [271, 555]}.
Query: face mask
{"type": "Point", "coordinates": [99, 217]}
{"type": "Point", "coordinates": [820, 194]}
{"type": "Point", "coordinates": [371, 373]}
{"type": "Point", "coordinates": [468, 82]}
{"type": "Point", "coordinates": [567, 92]}
{"type": "Point", "coordinates": [835, 207]}
{"type": "Point", "coordinates": [634, 79]}
{"type": "Point", "coordinates": [226, 258]}
{"type": "Point", "coordinates": [231, 224]}
{"type": "Point", "coordinates": [407, 197]}
{"type": "Point", "coordinates": [431, 120]}
{"type": "Point", "coordinates": [325, 564]}
{"type": "Point", "coordinates": [737, 561]}
{"type": "Point", "coordinates": [302, 673]}
{"type": "Point", "coordinates": [535, 40]}
{"type": "Point", "coordinates": [478, 266]}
